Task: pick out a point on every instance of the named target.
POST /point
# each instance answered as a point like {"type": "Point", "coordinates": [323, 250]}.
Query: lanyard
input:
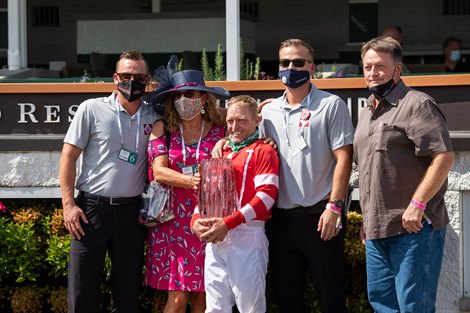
{"type": "Point", "coordinates": [183, 146]}
{"type": "Point", "coordinates": [120, 127]}
{"type": "Point", "coordinates": [285, 117]}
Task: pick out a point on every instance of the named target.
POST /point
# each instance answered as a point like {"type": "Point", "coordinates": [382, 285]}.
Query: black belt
{"type": "Point", "coordinates": [301, 211]}
{"type": "Point", "coordinates": [109, 200]}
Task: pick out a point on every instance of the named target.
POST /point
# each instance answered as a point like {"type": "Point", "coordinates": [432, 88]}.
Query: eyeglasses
{"type": "Point", "coordinates": [138, 77]}
{"type": "Point", "coordinates": [185, 93]}
{"type": "Point", "coordinates": [296, 62]}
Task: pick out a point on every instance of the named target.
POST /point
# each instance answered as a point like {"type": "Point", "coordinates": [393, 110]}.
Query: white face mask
{"type": "Point", "coordinates": [188, 108]}
{"type": "Point", "coordinates": [455, 55]}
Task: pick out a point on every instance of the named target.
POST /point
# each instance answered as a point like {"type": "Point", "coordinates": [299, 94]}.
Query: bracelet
{"type": "Point", "coordinates": [418, 204]}
{"type": "Point", "coordinates": [333, 208]}
{"type": "Point", "coordinates": [191, 182]}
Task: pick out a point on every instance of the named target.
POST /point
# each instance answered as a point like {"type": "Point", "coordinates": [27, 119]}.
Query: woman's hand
{"type": "Point", "coordinates": [194, 181]}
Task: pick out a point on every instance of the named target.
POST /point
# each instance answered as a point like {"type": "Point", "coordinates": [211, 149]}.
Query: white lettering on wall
{"type": "Point", "coordinates": [72, 111]}
{"type": "Point", "coordinates": [24, 113]}
{"type": "Point", "coordinates": [361, 103]}
{"type": "Point", "coordinates": [51, 112]}
{"type": "Point", "coordinates": [349, 104]}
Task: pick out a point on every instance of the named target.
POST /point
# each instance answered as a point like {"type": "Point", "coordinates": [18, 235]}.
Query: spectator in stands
{"type": "Point", "coordinates": [451, 49]}
{"type": "Point", "coordinates": [395, 33]}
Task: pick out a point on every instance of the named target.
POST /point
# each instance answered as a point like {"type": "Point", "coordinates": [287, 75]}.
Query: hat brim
{"type": "Point", "coordinates": [218, 91]}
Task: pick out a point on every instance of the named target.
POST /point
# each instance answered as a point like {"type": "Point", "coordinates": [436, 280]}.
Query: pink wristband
{"type": "Point", "coordinates": [418, 204]}
{"type": "Point", "coordinates": [333, 208]}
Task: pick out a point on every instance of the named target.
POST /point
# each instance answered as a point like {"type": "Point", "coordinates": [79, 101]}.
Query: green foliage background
{"type": "Point", "coordinates": [34, 247]}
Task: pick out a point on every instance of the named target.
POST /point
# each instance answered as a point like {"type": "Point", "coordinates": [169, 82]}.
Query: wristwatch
{"type": "Point", "coordinates": [337, 203]}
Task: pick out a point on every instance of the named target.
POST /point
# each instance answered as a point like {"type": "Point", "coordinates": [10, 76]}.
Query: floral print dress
{"type": "Point", "coordinates": [175, 256]}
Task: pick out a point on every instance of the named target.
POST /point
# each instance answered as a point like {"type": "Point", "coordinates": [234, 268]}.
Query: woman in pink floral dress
{"type": "Point", "coordinates": [175, 256]}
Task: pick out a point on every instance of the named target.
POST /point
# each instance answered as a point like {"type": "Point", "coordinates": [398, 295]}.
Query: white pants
{"type": "Point", "coordinates": [235, 270]}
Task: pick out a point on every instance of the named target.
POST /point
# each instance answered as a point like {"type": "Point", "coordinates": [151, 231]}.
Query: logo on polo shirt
{"type": "Point", "coordinates": [147, 129]}
{"type": "Point", "coordinates": [304, 118]}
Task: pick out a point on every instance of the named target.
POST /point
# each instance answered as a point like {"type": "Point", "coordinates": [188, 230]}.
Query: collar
{"type": "Point", "coordinates": [145, 107]}
{"type": "Point", "coordinates": [393, 97]}
{"type": "Point", "coordinates": [247, 141]}
{"type": "Point", "coordinates": [305, 101]}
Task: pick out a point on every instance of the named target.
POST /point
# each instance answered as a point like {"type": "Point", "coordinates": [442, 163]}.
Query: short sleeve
{"type": "Point", "coordinates": [81, 126]}
{"type": "Point", "coordinates": [156, 147]}
{"type": "Point", "coordinates": [428, 130]}
{"type": "Point", "coordinates": [340, 127]}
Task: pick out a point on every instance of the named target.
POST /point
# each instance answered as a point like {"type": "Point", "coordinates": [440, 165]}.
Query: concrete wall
{"type": "Point", "coordinates": [36, 174]}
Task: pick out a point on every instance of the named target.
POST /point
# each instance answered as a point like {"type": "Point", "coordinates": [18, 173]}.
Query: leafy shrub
{"type": "Point", "coordinates": [27, 299]}
{"type": "Point", "coordinates": [58, 254]}
{"type": "Point", "coordinates": [354, 250]}
{"type": "Point", "coordinates": [58, 300]}
{"type": "Point", "coordinates": [58, 243]}
{"type": "Point", "coordinates": [21, 251]}
{"type": "Point", "coordinates": [34, 242]}
{"type": "Point", "coordinates": [248, 69]}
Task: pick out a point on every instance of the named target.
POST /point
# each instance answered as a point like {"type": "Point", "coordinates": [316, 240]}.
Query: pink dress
{"type": "Point", "coordinates": [175, 256]}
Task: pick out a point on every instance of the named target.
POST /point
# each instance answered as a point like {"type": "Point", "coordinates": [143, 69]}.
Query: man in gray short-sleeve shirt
{"type": "Point", "coordinates": [314, 133]}
{"type": "Point", "coordinates": [111, 134]}
{"type": "Point", "coordinates": [404, 153]}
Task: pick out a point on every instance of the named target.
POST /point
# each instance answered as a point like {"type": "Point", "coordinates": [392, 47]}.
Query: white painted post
{"type": "Point", "coordinates": [232, 33]}
{"type": "Point", "coordinates": [17, 46]}
{"type": "Point", "coordinates": [156, 6]}
{"type": "Point", "coordinates": [466, 250]}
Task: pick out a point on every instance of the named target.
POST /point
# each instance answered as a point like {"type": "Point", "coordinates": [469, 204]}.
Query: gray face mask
{"type": "Point", "coordinates": [188, 108]}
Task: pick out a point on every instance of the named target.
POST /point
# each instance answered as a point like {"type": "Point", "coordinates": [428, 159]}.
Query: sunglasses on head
{"type": "Point", "coordinates": [185, 93]}
{"type": "Point", "coordinates": [138, 77]}
{"type": "Point", "coordinates": [295, 62]}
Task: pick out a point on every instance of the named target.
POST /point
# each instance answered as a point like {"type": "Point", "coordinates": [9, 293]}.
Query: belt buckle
{"type": "Point", "coordinates": [114, 201]}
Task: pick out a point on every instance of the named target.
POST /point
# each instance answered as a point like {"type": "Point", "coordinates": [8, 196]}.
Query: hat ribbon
{"type": "Point", "coordinates": [186, 84]}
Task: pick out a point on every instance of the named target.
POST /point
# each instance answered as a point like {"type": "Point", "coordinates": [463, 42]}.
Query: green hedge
{"type": "Point", "coordinates": [34, 246]}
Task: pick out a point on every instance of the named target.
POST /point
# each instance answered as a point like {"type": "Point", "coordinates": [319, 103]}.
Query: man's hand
{"type": "Point", "coordinates": [217, 232]}
{"type": "Point", "coordinates": [201, 226]}
{"type": "Point", "coordinates": [270, 142]}
{"type": "Point", "coordinates": [262, 104]}
{"type": "Point", "coordinates": [412, 219]}
{"type": "Point", "coordinates": [219, 148]}
{"type": "Point", "coordinates": [72, 216]}
{"type": "Point", "coordinates": [328, 224]}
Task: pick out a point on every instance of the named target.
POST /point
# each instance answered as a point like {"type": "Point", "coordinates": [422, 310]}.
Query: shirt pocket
{"type": "Point", "coordinates": [384, 137]}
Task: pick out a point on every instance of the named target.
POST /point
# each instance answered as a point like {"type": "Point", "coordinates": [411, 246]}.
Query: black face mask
{"type": "Point", "coordinates": [381, 91]}
{"type": "Point", "coordinates": [131, 90]}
